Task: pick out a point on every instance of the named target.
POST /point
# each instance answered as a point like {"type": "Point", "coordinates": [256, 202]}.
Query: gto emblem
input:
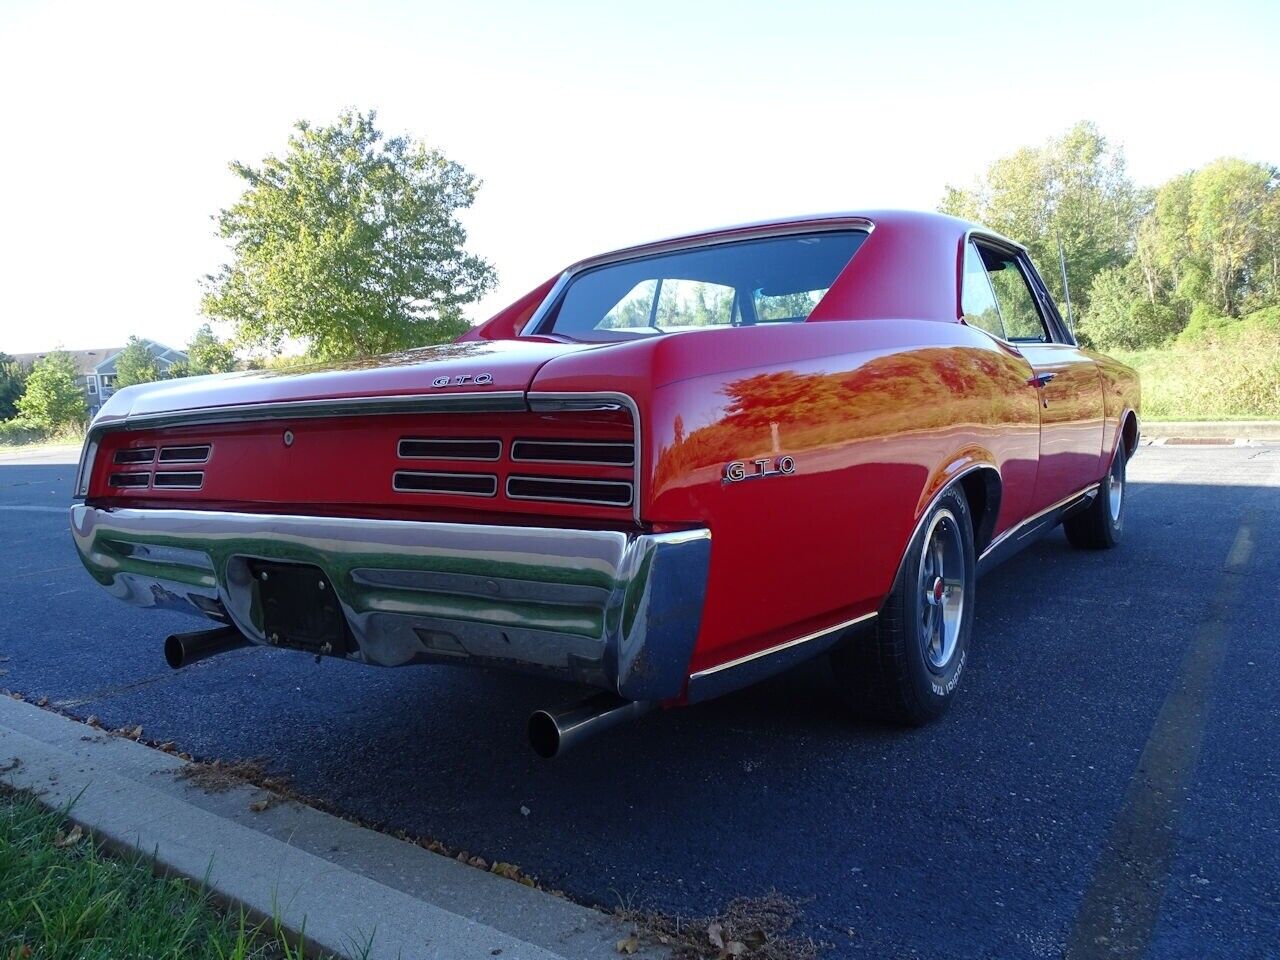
{"type": "Point", "coordinates": [759, 469]}
{"type": "Point", "coordinates": [460, 379]}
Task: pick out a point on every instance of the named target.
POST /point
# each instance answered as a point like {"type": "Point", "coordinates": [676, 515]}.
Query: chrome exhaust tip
{"type": "Point", "coordinates": [184, 649]}
{"type": "Point", "coordinates": [552, 732]}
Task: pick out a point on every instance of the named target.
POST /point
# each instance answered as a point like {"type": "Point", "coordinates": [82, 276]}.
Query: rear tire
{"type": "Point", "coordinates": [908, 668]}
{"type": "Point", "coordinates": [1099, 526]}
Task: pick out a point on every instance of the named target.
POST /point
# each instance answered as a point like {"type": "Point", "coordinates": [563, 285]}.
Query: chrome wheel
{"type": "Point", "coordinates": [942, 588]}
{"type": "Point", "coordinates": [1115, 491]}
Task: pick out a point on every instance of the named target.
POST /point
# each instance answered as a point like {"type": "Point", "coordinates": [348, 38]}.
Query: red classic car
{"type": "Point", "coordinates": [667, 472]}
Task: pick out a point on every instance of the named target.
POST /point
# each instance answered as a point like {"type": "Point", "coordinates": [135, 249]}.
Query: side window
{"type": "Point", "coordinates": [977, 301]}
{"type": "Point", "coordinates": [1018, 308]}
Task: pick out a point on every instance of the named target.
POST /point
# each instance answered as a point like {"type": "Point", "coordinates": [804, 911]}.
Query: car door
{"type": "Point", "coordinates": [1066, 379]}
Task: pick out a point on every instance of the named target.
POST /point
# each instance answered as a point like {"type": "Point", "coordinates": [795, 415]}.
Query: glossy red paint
{"type": "Point", "coordinates": [882, 398]}
{"type": "Point", "coordinates": [345, 466]}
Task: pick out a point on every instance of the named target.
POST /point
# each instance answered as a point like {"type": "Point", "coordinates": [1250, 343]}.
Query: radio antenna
{"type": "Point", "coordinates": [1066, 287]}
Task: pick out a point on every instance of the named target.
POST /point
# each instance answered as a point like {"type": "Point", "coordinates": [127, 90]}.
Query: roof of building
{"type": "Point", "coordinates": [165, 357]}
{"type": "Point", "coordinates": [102, 360]}
{"type": "Point", "coordinates": [85, 360]}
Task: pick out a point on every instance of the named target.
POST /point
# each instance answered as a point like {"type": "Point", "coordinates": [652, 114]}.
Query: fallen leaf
{"type": "Point", "coordinates": [43, 701]}
{"type": "Point", "coordinates": [715, 933]}
{"type": "Point", "coordinates": [92, 720]}
{"type": "Point", "coordinates": [259, 805]}
{"type": "Point", "coordinates": [756, 939]}
{"type": "Point", "coordinates": [168, 746]}
{"type": "Point", "coordinates": [629, 945]}
{"type": "Point", "coordinates": [69, 839]}
{"type": "Point", "coordinates": [734, 948]}
{"type": "Point", "coordinates": [479, 862]}
{"type": "Point", "coordinates": [508, 870]}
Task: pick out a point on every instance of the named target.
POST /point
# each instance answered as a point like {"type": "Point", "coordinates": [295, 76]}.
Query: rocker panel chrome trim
{"type": "Point", "coordinates": [746, 670]}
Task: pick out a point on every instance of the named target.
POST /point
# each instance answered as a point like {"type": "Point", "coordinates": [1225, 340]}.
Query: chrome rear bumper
{"type": "Point", "coordinates": [616, 610]}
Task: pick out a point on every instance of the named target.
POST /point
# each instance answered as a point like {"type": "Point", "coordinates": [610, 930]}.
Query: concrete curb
{"type": "Point", "coordinates": [1212, 429]}
{"type": "Point", "coordinates": [351, 889]}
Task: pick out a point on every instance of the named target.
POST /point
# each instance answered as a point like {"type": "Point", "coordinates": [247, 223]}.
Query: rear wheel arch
{"type": "Point", "coordinates": [1129, 433]}
{"type": "Point", "coordinates": [982, 489]}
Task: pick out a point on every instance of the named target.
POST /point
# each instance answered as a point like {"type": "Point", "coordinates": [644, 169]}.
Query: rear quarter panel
{"type": "Point", "coordinates": [877, 416]}
{"type": "Point", "coordinates": [1121, 394]}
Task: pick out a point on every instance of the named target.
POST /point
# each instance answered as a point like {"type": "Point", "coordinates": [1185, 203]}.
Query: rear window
{"type": "Point", "coordinates": [774, 280]}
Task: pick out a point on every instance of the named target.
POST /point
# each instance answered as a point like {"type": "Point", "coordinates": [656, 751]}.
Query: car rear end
{"type": "Point", "coordinates": [454, 527]}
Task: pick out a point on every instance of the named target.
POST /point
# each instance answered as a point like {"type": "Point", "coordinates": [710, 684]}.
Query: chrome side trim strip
{"type": "Point", "coordinates": [778, 648]}
{"type": "Point", "coordinates": [1062, 504]}
{"type": "Point", "coordinates": [552, 401]}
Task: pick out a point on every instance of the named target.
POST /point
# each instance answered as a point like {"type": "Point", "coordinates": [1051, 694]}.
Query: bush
{"type": "Point", "coordinates": [1216, 370]}
{"type": "Point", "coordinates": [20, 430]}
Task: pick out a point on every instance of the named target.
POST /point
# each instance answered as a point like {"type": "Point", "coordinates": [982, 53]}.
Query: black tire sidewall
{"type": "Point", "coordinates": [933, 691]}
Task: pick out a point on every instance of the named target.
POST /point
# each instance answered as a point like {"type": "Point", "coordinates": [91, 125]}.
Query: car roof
{"type": "Point", "coordinates": [904, 221]}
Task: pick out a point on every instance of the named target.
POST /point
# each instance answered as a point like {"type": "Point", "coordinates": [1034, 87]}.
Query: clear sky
{"type": "Point", "coordinates": [593, 124]}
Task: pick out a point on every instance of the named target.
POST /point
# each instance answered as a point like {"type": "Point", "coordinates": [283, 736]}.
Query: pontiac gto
{"type": "Point", "coordinates": [667, 472]}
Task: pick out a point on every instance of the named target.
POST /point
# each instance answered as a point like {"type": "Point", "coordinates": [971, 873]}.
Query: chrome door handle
{"type": "Point", "coordinates": [1038, 380]}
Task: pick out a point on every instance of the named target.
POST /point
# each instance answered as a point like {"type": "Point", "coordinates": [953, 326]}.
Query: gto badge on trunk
{"type": "Point", "coordinates": [479, 379]}
{"type": "Point", "coordinates": [759, 469]}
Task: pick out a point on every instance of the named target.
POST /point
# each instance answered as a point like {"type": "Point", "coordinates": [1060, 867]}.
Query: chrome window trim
{"type": "Point", "coordinates": [833, 223]}
{"type": "Point", "coordinates": [575, 443]}
{"type": "Point", "coordinates": [588, 400]}
{"type": "Point", "coordinates": [1053, 324]}
{"type": "Point", "coordinates": [395, 485]}
{"type": "Point", "coordinates": [401, 455]}
{"type": "Point", "coordinates": [631, 491]}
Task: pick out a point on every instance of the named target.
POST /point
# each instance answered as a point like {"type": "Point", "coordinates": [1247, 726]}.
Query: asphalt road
{"type": "Point", "coordinates": [1111, 770]}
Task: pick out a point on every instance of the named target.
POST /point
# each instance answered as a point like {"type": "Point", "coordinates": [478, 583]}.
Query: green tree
{"type": "Point", "coordinates": [53, 398]}
{"type": "Point", "coordinates": [1213, 238]}
{"type": "Point", "coordinates": [136, 364]}
{"type": "Point", "coordinates": [1074, 189]}
{"type": "Point", "coordinates": [207, 354]}
{"type": "Point", "coordinates": [349, 242]}
{"type": "Point", "coordinates": [13, 380]}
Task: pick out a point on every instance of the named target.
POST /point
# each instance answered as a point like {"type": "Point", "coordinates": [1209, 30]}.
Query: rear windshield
{"type": "Point", "coordinates": [775, 280]}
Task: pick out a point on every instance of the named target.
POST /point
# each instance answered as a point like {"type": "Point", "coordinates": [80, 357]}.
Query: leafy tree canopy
{"type": "Point", "coordinates": [1074, 189]}
{"type": "Point", "coordinates": [348, 242]}
{"type": "Point", "coordinates": [53, 398]}
{"type": "Point", "coordinates": [136, 364]}
{"type": "Point", "coordinates": [207, 354]}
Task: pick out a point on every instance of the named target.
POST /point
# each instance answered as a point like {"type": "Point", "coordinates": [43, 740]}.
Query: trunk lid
{"type": "Point", "coordinates": [497, 366]}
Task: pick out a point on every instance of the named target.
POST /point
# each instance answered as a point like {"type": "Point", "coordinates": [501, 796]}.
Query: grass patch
{"type": "Point", "coordinates": [1227, 371]}
{"type": "Point", "coordinates": [22, 433]}
{"type": "Point", "coordinates": [62, 897]}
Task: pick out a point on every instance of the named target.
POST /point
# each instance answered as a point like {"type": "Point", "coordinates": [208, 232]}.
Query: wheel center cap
{"type": "Point", "coordinates": [937, 592]}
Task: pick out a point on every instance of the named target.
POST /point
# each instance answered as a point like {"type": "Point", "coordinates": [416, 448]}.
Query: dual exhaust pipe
{"type": "Point", "coordinates": [551, 732]}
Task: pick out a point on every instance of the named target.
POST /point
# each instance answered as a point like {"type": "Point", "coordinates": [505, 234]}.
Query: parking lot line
{"type": "Point", "coordinates": [1122, 903]}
